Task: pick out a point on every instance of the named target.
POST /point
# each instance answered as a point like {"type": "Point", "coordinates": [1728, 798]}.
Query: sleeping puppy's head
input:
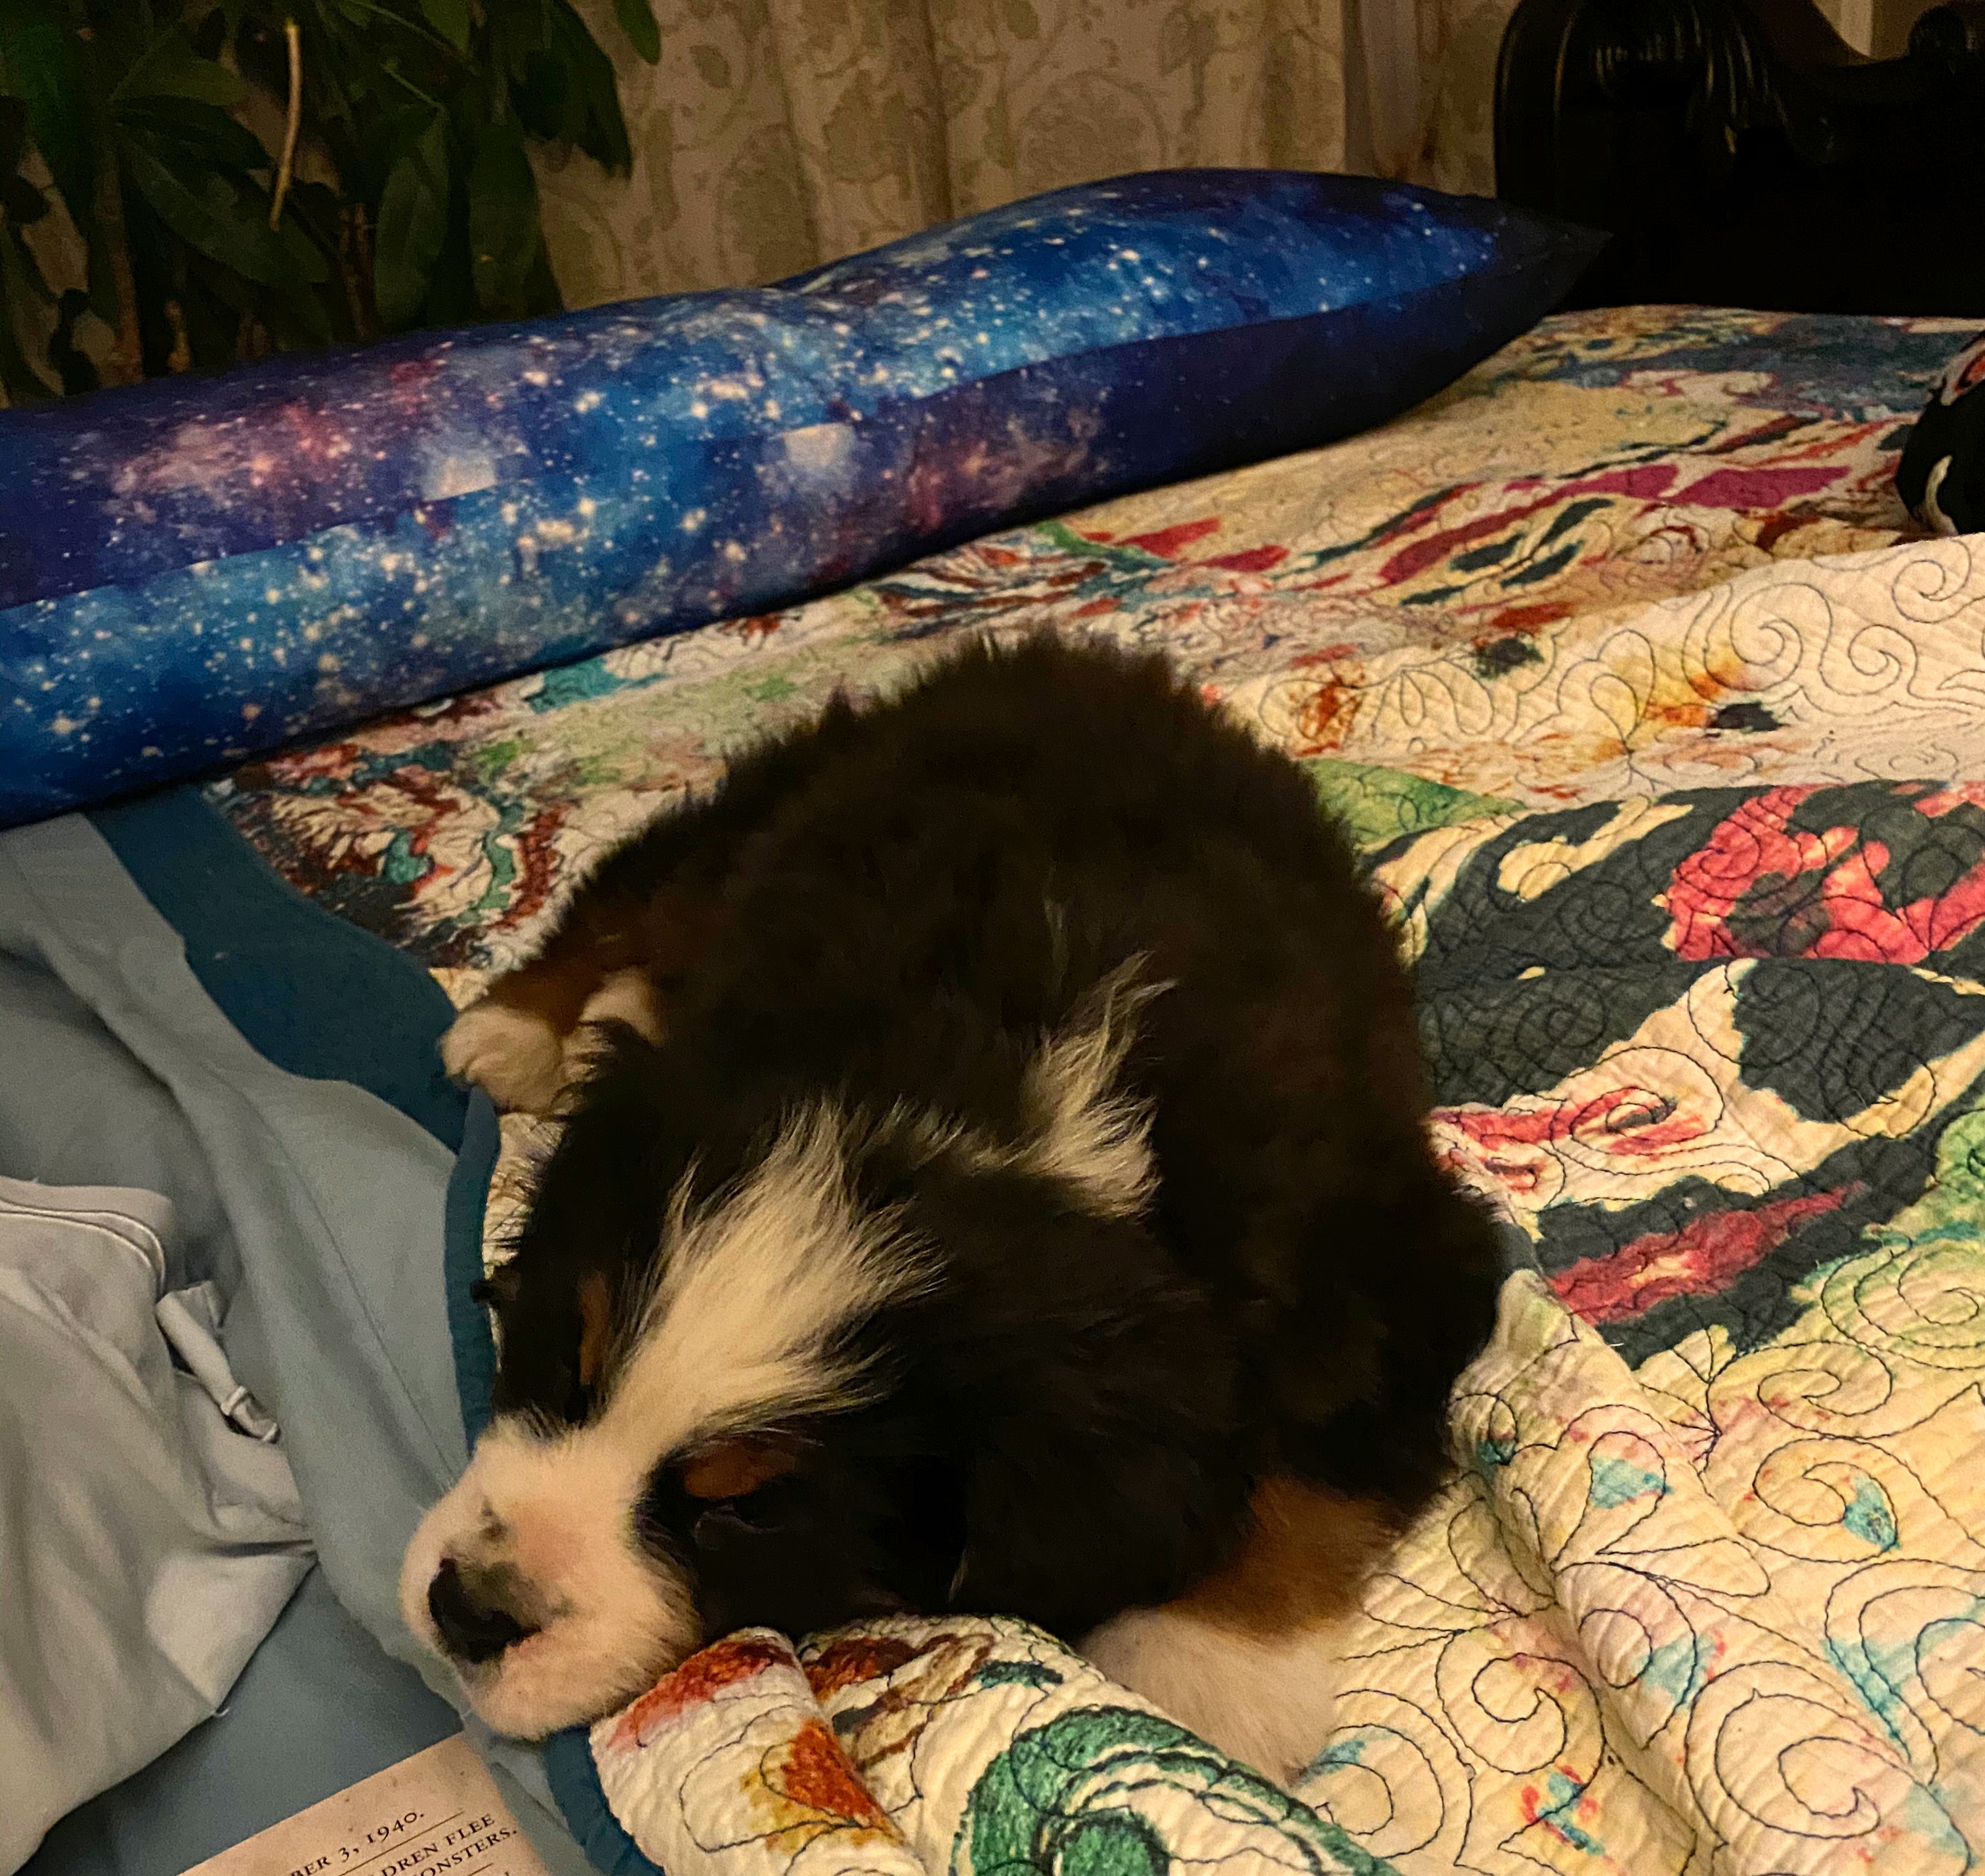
{"type": "Point", "coordinates": [880, 1362]}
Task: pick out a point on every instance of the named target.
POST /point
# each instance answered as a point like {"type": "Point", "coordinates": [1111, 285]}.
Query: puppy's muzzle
{"type": "Point", "coordinates": [469, 1615]}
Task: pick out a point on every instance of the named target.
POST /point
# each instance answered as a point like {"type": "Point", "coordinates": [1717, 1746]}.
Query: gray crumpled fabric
{"type": "Point", "coordinates": [150, 1532]}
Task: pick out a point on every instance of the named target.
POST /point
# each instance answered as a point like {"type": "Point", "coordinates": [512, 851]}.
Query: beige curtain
{"type": "Point", "coordinates": [776, 133]}
{"type": "Point", "coordinates": [1460, 42]}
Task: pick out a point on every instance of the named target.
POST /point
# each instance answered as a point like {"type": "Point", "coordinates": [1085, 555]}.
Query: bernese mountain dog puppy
{"type": "Point", "coordinates": [993, 1177]}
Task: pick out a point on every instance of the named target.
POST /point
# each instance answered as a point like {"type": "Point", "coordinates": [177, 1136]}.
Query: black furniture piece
{"type": "Point", "coordinates": [1743, 154]}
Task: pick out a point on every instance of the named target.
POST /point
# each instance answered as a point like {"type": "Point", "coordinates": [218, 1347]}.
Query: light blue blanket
{"type": "Point", "coordinates": [308, 1191]}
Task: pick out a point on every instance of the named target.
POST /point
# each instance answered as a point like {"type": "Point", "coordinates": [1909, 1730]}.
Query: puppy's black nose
{"type": "Point", "coordinates": [470, 1631]}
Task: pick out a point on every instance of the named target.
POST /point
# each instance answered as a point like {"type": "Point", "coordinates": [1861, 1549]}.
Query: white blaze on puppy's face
{"type": "Point", "coordinates": [738, 1333]}
{"type": "Point", "coordinates": [552, 1519]}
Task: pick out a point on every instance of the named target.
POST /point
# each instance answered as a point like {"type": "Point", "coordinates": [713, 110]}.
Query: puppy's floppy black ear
{"type": "Point", "coordinates": [1105, 1465]}
{"type": "Point", "coordinates": [556, 1326]}
{"type": "Point", "coordinates": [499, 1289]}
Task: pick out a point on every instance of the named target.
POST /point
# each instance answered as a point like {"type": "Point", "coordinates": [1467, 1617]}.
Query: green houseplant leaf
{"type": "Point", "coordinates": [74, 366]}
{"type": "Point", "coordinates": [413, 226]}
{"type": "Point", "coordinates": [38, 47]}
{"type": "Point", "coordinates": [637, 21]}
{"type": "Point", "coordinates": [503, 236]}
{"type": "Point", "coordinates": [21, 202]}
{"type": "Point", "coordinates": [13, 134]}
{"type": "Point", "coordinates": [172, 68]}
{"type": "Point", "coordinates": [22, 383]}
{"type": "Point", "coordinates": [428, 212]}
{"type": "Point", "coordinates": [449, 19]}
{"type": "Point", "coordinates": [46, 66]}
{"type": "Point", "coordinates": [568, 91]}
{"type": "Point", "coordinates": [194, 132]}
{"type": "Point", "coordinates": [219, 219]}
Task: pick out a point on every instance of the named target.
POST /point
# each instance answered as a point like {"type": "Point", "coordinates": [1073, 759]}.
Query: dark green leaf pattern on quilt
{"type": "Point", "coordinates": [1833, 1037]}
{"type": "Point", "coordinates": [1096, 1792]}
{"type": "Point", "coordinates": [1499, 923]}
{"type": "Point", "coordinates": [1707, 1042]}
{"type": "Point", "coordinates": [1486, 1042]}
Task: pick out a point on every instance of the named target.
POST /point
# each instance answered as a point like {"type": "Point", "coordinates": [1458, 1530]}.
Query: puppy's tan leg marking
{"type": "Point", "coordinates": [1303, 1563]}
{"type": "Point", "coordinates": [1251, 1659]}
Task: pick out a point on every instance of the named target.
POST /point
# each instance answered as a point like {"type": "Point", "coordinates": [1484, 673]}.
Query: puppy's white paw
{"type": "Point", "coordinates": [518, 1057]}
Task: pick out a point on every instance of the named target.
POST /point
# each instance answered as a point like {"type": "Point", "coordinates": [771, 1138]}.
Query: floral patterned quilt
{"type": "Point", "coordinates": [1664, 742]}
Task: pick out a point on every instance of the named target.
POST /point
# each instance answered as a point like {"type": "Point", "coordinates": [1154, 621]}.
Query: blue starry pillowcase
{"type": "Point", "coordinates": [193, 571]}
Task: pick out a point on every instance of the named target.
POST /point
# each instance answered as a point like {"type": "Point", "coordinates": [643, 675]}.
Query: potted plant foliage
{"type": "Point", "coordinates": [389, 186]}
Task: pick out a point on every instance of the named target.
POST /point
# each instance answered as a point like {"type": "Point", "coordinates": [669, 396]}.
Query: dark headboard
{"type": "Point", "coordinates": [1744, 155]}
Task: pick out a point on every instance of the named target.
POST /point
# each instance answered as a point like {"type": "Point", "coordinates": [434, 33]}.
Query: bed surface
{"type": "Point", "coordinates": [1416, 595]}
{"type": "Point", "coordinates": [1619, 664]}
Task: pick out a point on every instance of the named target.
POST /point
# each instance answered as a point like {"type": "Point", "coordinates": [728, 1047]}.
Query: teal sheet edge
{"type": "Point", "coordinates": [236, 914]}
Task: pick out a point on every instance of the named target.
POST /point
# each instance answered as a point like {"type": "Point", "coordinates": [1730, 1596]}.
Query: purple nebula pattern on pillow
{"type": "Point", "coordinates": [193, 571]}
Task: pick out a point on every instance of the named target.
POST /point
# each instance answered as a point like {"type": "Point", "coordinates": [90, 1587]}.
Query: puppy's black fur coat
{"type": "Point", "coordinates": [890, 910]}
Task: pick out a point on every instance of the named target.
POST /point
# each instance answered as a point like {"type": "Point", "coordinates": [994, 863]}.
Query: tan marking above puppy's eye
{"type": "Point", "coordinates": [736, 1469]}
{"type": "Point", "coordinates": [594, 1316]}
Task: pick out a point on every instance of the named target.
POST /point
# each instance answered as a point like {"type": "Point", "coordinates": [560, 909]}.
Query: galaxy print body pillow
{"type": "Point", "coordinates": [195, 570]}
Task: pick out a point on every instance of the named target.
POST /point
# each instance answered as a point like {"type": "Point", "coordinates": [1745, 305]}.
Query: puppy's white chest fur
{"type": "Point", "coordinates": [1267, 1701]}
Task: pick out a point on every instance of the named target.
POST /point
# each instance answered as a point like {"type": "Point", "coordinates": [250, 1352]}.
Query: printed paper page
{"type": "Point", "coordinates": [436, 1814]}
